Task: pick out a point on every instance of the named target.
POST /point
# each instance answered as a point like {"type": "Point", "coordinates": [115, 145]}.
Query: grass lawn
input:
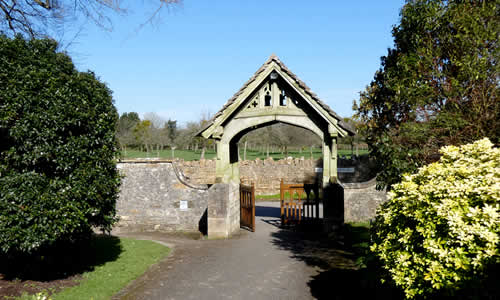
{"type": "Point", "coordinates": [110, 263]}
{"type": "Point", "coordinates": [277, 197]}
{"type": "Point", "coordinates": [109, 278]}
{"type": "Point", "coordinates": [210, 154]}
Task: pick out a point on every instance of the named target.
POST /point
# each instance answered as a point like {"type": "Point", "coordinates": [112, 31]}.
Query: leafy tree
{"type": "Point", "coordinates": [440, 229]}
{"type": "Point", "coordinates": [128, 120]}
{"type": "Point", "coordinates": [58, 175]}
{"type": "Point", "coordinates": [438, 85]}
{"type": "Point", "coordinates": [124, 128]}
{"type": "Point", "coordinates": [172, 130]}
{"type": "Point", "coordinates": [159, 133]}
{"type": "Point", "coordinates": [142, 133]}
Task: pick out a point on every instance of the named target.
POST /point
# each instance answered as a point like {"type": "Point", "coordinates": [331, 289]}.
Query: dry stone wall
{"type": "Point", "coordinates": [361, 199]}
{"type": "Point", "coordinates": [156, 196]}
{"type": "Point", "coordinates": [152, 198]}
{"type": "Point", "coordinates": [266, 174]}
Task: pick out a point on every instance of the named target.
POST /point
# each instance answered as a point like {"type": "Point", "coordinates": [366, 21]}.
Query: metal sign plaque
{"type": "Point", "coordinates": [345, 170]}
{"type": "Point", "coordinates": [183, 205]}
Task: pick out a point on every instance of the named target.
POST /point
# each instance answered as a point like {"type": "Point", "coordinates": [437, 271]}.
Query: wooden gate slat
{"type": "Point", "coordinates": [247, 206]}
{"type": "Point", "coordinates": [302, 209]}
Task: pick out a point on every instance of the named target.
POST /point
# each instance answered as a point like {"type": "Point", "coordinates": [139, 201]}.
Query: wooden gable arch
{"type": "Point", "coordinates": [273, 94]}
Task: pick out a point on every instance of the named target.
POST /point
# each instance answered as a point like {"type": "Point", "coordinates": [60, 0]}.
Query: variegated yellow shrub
{"type": "Point", "coordinates": [441, 226]}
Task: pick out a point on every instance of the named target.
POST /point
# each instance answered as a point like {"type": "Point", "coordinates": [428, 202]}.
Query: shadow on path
{"type": "Point", "coordinates": [267, 211]}
{"type": "Point", "coordinates": [340, 277]}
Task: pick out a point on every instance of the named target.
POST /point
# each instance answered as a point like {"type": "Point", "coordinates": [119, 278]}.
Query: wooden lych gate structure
{"type": "Point", "coordinates": [274, 94]}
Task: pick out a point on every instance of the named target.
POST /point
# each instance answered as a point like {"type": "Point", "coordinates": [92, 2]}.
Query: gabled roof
{"type": "Point", "coordinates": [273, 58]}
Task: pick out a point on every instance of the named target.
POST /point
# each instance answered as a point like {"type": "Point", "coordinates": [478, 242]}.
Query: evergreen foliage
{"type": "Point", "coordinates": [440, 229]}
{"type": "Point", "coordinates": [438, 86]}
{"type": "Point", "coordinates": [58, 175]}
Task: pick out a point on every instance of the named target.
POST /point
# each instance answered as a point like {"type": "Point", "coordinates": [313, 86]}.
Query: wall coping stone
{"type": "Point", "coordinates": [359, 185]}
{"type": "Point", "coordinates": [177, 171]}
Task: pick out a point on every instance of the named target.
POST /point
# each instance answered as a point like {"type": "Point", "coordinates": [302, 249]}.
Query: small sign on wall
{"type": "Point", "coordinates": [345, 170]}
{"type": "Point", "coordinates": [183, 205]}
{"type": "Point", "coordinates": [318, 170]}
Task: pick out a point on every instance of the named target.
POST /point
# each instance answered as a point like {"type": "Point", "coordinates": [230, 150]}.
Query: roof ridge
{"type": "Point", "coordinates": [275, 58]}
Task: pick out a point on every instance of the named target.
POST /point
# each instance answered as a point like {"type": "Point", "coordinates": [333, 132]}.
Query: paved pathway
{"type": "Point", "coordinates": [268, 264]}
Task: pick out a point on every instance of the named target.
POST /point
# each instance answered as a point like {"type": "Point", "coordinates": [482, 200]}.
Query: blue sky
{"type": "Point", "coordinates": [199, 54]}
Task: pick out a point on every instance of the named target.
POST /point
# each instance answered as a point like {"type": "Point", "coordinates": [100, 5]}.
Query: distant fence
{"type": "Point", "coordinates": [252, 152]}
{"type": "Point", "coordinates": [359, 146]}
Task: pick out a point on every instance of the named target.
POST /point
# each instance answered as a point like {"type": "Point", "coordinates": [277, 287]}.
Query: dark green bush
{"type": "Point", "coordinates": [58, 175]}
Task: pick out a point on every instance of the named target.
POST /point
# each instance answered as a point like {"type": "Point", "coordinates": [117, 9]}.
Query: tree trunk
{"type": "Point", "coordinates": [245, 151]}
{"type": "Point", "coordinates": [202, 156]}
{"type": "Point", "coordinates": [196, 147]}
{"type": "Point", "coordinates": [267, 150]}
{"type": "Point", "coordinates": [173, 152]}
{"type": "Point", "coordinates": [311, 149]}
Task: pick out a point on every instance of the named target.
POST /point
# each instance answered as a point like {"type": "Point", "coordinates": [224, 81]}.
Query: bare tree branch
{"type": "Point", "coordinates": [45, 4]}
{"type": "Point", "coordinates": [41, 18]}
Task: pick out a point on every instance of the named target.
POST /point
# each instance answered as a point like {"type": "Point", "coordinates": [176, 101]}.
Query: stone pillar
{"type": "Point", "coordinates": [223, 213]}
{"type": "Point", "coordinates": [227, 166]}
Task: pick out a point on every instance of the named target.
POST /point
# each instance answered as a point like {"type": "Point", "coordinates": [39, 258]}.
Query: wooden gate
{"type": "Point", "coordinates": [247, 206]}
{"type": "Point", "coordinates": [295, 208]}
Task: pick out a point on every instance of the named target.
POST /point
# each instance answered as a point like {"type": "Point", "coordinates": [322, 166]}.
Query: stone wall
{"type": "Point", "coordinates": [153, 197]}
{"type": "Point", "coordinates": [361, 201]}
{"type": "Point", "coordinates": [199, 171]}
{"type": "Point", "coordinates": [267, 174]}
{"type": "Point", "coordinates": [156, 196]}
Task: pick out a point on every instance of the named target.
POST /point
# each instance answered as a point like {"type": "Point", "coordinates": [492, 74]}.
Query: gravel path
{"type": "Point", "coordinates": [266, 264]}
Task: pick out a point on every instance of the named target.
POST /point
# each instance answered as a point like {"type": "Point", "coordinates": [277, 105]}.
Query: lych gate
{"type": "Point", "coordinates": [274, 94]}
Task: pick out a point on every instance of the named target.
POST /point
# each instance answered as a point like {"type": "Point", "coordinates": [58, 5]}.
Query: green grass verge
{"type": "Point", "coordinates": [106, 279]}
{"type": "Point", "coordinates": [357, 237]}
{"type": "Point", "coordinates": [210, 154]}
